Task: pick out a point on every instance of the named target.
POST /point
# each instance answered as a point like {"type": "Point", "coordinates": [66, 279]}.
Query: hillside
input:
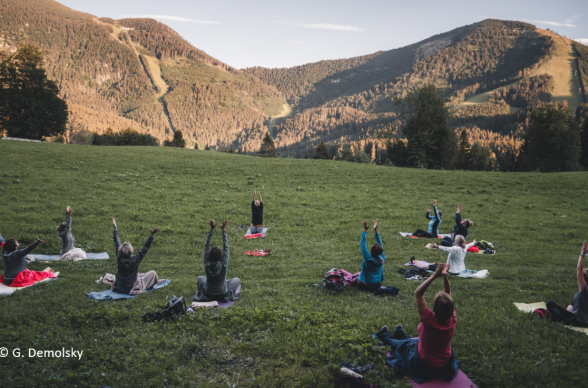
{"type": "Point", "coordinates": [282, 332]}
{"type": "Point", "coordinates": [141, 70]}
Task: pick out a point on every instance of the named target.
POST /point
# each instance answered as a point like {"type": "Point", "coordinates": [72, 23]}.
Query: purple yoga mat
{"type": "Point", "coordinates": [225, 305]}
{"type": "Point", "coordinates": [460, 381]}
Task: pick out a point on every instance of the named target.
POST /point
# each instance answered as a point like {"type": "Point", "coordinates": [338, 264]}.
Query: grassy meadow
{"type": "Point", "coordinates": [282, 333]}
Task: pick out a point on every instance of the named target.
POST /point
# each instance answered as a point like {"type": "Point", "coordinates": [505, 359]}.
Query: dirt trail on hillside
{"type": "Point", "coordinates": [560, 67]}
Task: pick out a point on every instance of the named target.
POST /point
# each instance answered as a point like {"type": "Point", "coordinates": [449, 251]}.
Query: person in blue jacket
{"type": "Point", "coordinates": [372, 267]}
{"type": "Point", "coordinates": [434, 222]}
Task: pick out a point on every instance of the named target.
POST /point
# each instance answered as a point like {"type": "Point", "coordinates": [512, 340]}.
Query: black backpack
{"type": "Point", "coordinates": [334, 281]}
{"type": "Point", "coordinates": [174, 308]}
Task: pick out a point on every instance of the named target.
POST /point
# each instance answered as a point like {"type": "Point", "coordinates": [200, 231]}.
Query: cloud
{"type": "Point", "coordinates": [571, 19]}
{"type": "Point", "coordinates": [582, 40]}
{"type": "Point", "coordinates": [323, 26]}
{"type": "Point", "coordinates": [557, 24]}
{"type": "Point", "coordinates": [173, 18]}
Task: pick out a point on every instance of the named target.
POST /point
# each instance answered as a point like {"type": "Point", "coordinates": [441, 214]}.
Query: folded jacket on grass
{"type": "Point", "coordinates": [255, 235]}
{"type": "Point", "coordinates": [258, 252]}
{"type": "Point", "coordinates": [90, 256]}
{"type": "Point", "coordinates": [530, 307]}
{"type": "Point", "coordinates": [6, 290]}
{"type": "Point", "coordinates": [404, 234]}
{"type": "Point", "coordinates": [109, 294]}
{"type": "Point", "coordinates": [460, 381]}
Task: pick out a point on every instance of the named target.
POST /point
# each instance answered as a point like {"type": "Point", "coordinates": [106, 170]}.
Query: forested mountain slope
{"type": "Point", "coordinates": [108, 66]}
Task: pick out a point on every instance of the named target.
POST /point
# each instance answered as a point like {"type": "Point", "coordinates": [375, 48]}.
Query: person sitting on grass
{"type": "Point", "coordinates": [16, 273]}
{"type": "Point", "coordinates": [256, 215]}
{"type": "Point", "coordinates": [215, 286]}
{"type": "Point", "coordinates": [67, 240]}
{"type": "Point", "coordinates": [577, 313]}
{"type": "Point", "coordinates": [435, 221]}
{"type": "Point", "coordinates": [372, 267]}
{"type": "Point", "coordinates": [430, 355]}
{"type": "Point", "coordinates": [460, 228]}
{"type": "Point", "coordinates": [457, 254]}
{"type": "Point", "coordinates": [128, 280]}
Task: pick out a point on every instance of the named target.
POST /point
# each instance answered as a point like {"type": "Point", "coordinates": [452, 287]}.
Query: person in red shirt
{"type": "Point", "coordinates": [430, 355]}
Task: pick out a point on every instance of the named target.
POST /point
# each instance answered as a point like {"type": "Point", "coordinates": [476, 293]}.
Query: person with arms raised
{"type": "Point", "coordinates": [460, 228]}
{"type": "Point", "coordinates": [128, 280]}
{"type": "Point", "coordinates": [256, 215]}
{"type": "Point", "coordinates": [16, 273]}
{"type": "Point", "coordinates": [457, 254]}
{"type": "Point", "coordinates": [434, 222]}
{"type": "Point", "coordinates": [577, 313]}
{"type": "Point", "coordinates": [430, 355]}
{"type": "Point", "coordinates": [68, 252]}
{"type": "Point", "coordinates": [372, 267]}
{"type": "Point", "coordinates": [215, 286]}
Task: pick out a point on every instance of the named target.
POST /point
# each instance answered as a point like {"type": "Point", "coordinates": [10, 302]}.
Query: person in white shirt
{"type": "Point", "coordinates": [457, 254]}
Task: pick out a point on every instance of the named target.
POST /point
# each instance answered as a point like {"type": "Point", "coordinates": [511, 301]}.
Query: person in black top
{"type": "Point", "coordinates": [256, 215]}
{"type": "Point", "coordinates": [128, 279]}
{"type": "Point", "coordinates": [460, 228]}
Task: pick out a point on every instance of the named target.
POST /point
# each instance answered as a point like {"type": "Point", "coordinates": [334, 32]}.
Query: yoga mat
{"type": "Point", "coordinates": [460, 381]}
{"type": "Point", "coordinates": [111, 295]}
{"type": "Point", "coordinates": [5, 290]}
{"type": "Point", "coordinates": [430, 246]}
{"type": "Point", "coordinates": [263, 233]}
{"type": "Point", "coordinates": [90, 256]}
{"type": "Point", "coordinates": [422, 264]}
{"type": "Point", "coordinates": [404, 234]}
{"type": "Point", "coordinates": [226, 305]}
{"type": "Point", "coordinates": [530, 307]}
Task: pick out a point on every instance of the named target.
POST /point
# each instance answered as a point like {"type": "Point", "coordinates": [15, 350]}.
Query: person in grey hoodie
{"type": "Point", "coordinates": [64, 231]}
{"type": "Point", "coordinates": [14, 259]}
{"type": "Point", "coordinates": [215, 286]}
{"type": "Point", "coordinates": [128, 280]}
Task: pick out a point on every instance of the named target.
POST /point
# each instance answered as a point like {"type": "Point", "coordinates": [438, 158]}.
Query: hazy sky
{"type": "Point", "coordinates": [288, 33]}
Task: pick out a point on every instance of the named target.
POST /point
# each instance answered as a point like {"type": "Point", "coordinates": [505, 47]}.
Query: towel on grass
{"type": "Point", "coordinates": [404, 234]}
{"type": "Point", "coordinates": [258, 252]}
{"type": "Point", "coordinates": [109, 294]}
{"type": "Point", "coordinates": [255, 235]}
{"type": "Point", "coordinates": [530, 307]}
{"type": "Point", "coordinates": [75, 254]}
{"type": "Point", "coordinates": [471, 274]}
{"type": "Point", "coordinates": [108, 278]}
{"type": "Point", "coordinates": [197, 305]}
{"type": "Point", "coordinates": [460, 381]}
{"type": "Point", "coordinates": [89, 256]}
{"type": "Point", "coordinates": [7, 290]}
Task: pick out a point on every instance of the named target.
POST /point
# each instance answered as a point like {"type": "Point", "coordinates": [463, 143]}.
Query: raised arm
{"type": "Point", "coordinates": [23, 252]}
{"type": "Point", "coordinates": [259, 194]}
{"type": "Point", "coordinates": [468, 246]}
{"type": "Point", "coordinates": [419, 294]}
{"type": "Point", "coordinates": [377, 233]}
{"type": "Point", "coordinates": [580, 269]}
{"type": "Point", "coordinates": [436, 213]}
{"type": "Point", "coordinates": [207, 243]}
{"type": "Point", "coordinates": [225, 257]}
{"type": "Point", "coordinates": [363, 243]}
{"type": "Point", "coordinates": [115, 236]}
{"type": "Point", "coordinates": [254, 191]}
{"type": "Point", "coordinates": [446, 285]}
{"type": "Point", "coordinates": [452, 249]}
{"type": "Point", "coordinates": [428, 216]}
{"type": "Point", "coordinates": [139, 256]}
{"type": "Point", "coordinates": [68, 212]}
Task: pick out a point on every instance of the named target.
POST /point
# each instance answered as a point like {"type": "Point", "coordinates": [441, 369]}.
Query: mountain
{"type": "Point", "coordinates": [112, 71]}
{"type": "Point", "coordinates": [142, 74]}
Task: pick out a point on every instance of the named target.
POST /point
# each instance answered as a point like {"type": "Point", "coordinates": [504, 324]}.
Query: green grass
{"type": "Point", "coordinates": [281, 332]}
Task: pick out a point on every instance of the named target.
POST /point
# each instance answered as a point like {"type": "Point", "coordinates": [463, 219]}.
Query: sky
{"type": "Point", "coordinates": [290, 33]}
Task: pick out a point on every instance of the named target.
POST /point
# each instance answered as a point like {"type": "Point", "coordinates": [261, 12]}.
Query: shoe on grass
{"type": "Point", "coordinates": [399, 333]}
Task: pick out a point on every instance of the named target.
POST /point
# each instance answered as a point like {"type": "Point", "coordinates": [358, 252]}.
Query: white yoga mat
{"type": "Point", "coordinates": [530, 307]}
{"type": "Point", "coordinates": [5, 290]}
{"type": "Point", "coordinates": [89, 256]}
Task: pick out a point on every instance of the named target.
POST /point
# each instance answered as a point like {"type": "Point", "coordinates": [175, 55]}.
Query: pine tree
{"type": "Point", "coordinates": [552, 142]}
{"type": "Point", "coordinates": [431, 141]}
{"type": "Point", "coordinates": [178, 140]}
{"type": "Point", "coordinates": [397, 153]}
{"type": "Point", "coordinates": [206, 148]}
{"type": "Point", "coordinates": [306, 156]}
{"type": "Point", "coordinates": [346, 155]}
{"type": "Point", "coordinates": [195, 145]}
{"type": "Point", "coordinates": [29, 104]}
{"type": "Point", "coordinates": [464, 158]}
{"type": "Point", "coordinates": [322, 152]}
{"type": "Point", "coordinates": [267, 148]}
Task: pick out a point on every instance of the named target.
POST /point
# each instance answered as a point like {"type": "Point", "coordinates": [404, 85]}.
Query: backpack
{"type": "Point", "coordinates": [334, 281]}
{"type": "Point", "coordinates": [174, 308]}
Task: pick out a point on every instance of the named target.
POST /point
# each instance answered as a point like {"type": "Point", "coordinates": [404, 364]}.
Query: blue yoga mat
{"type": "Point", "coordinates": [109, 294]}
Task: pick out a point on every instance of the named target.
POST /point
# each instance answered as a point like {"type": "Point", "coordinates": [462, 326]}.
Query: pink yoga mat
{"type": "Point", "coordinates": [460, 381]}
{"type": "Point", "coordinates": [225, 305]}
